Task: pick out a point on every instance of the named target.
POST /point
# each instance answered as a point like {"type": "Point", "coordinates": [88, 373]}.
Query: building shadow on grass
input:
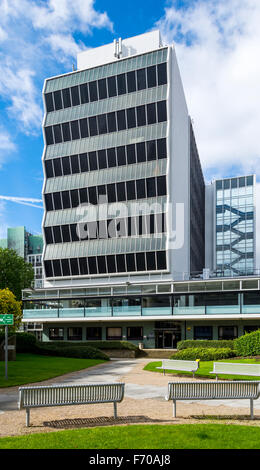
{"type": "Point", "coordinates": [100, 421]}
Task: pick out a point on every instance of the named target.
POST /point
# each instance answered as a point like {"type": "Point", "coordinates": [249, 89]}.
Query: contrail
{"type": "Point", "coordinates": [23, 200]}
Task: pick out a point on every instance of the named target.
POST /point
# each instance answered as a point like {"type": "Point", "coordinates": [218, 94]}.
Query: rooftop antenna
{"type": "Point", "coordinates": [118, 48]}
{"type": "Point", "coordinates": [73, 68]}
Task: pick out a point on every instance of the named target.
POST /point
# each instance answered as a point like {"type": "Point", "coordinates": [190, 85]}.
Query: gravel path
{"type": "Point", "coordinates": [144, 403]}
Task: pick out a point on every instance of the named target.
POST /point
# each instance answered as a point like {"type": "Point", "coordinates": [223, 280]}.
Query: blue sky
{"type": "Point", "coordinates": [217, 45]}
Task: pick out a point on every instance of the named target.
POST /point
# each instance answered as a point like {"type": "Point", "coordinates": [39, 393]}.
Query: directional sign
{"type": "Point", "coordinates": [6, 320]}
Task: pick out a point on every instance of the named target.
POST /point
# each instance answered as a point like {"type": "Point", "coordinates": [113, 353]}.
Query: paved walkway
{"type": "Point", "coordinates": [139, 384]}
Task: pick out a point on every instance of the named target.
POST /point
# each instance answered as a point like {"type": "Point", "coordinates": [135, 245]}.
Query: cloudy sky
{"type": "Point", "coordinates": [217, 45]}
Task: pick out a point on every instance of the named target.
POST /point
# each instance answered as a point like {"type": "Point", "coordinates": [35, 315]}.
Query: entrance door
{"type": "Point", "coordinates": [168, 339]}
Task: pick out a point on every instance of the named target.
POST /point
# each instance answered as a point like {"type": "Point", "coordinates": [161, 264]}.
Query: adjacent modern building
{"type": "Point", "coordinates": [126, 211]}
{"type": "Point", "coordinates": [230, 226]}
{"type": "Point", "coordinates": [29, 247]}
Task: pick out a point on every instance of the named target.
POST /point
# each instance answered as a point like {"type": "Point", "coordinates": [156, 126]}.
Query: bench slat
{"type": "Point", "coordinates": [65, 395]}
{"type": "Point", "coordinates": [234, 368]}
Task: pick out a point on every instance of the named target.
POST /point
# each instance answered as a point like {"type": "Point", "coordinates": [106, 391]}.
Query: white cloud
{"type": "Point", "coordinates": [217, 45]}
{"type": "Point", "coordinates": [40, 36]}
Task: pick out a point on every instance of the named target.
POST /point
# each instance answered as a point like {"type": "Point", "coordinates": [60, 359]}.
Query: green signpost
{"type": "Point", "coordinates": [6, 320]}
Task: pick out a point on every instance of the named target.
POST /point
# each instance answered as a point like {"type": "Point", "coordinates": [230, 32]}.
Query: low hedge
{"type": "Point", "coordinates": [95, 344]}
{"type": "Point", "coordinates": [25, 342]}
{"type": "Point", "coordinates": [82, 352]}
{"type": "Point", "coordinates": [201, 343]}
{"type": "Point", "coordinates": [248, 344]}
{"type": "Point", "coordinates": [204, 354]}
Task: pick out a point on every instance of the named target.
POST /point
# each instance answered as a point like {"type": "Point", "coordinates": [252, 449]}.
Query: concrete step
{"type": "Point", "coordinates": [157, 353]}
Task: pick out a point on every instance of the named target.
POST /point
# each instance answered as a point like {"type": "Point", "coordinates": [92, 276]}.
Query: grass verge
{"type": "Point", "coordinates": [29, 368]}
{"type": "Point", "coordinates": [177, 436]}
{"type": "Point", "coordinates": [205, 368]}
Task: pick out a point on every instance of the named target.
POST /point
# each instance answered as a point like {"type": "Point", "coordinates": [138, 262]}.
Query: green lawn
{"type": "Point", "coordinates": [177, 436]}
{"type": "Point", "coordinates": [205, 368]}
{"type": "Point", "coordinates": [29, 368]}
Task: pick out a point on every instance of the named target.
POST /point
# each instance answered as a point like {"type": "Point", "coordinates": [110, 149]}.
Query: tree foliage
{"type": "Point", "coordinates": [15, 273]}
{"type": "Point", "coordinates": [9, 305]}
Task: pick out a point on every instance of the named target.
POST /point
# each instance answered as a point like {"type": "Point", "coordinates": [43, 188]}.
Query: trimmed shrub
{"type": "Point", "coordinates": [25, 342]}
{"type": "Point", "coordinates": [95, 344]}
{"type": "Point", "coordinates": [204, 354]}
{"type": "Point", "coordinates": [248, 344]}
{"type": "Point", "coordinates": [201, 343]}
{"type": "Point", "coordinates": [82, 352]}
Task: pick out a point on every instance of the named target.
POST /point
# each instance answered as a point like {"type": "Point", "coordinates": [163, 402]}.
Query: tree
{"type": "Point", "coordinates": [9, 305]}
{"type": "Point", "coordinates": [15, 273]}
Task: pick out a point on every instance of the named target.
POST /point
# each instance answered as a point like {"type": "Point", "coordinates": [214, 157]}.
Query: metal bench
{"type": "Point", "coordinates": [173, 364]}
{"type": "Point", "coordinates": [58, 395]}
{"type": "Point", "coordinates": [214, 390]}
{"type": "Point", "coordinates": [235, 368]}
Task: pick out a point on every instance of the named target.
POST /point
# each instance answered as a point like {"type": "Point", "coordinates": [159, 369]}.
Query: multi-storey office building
{"type": "Point", "coordinates": [124, 199]}
{"type": "Point", "coordinates": [230, 226]}
{"type": "Point", "coordinates": [118, 140]}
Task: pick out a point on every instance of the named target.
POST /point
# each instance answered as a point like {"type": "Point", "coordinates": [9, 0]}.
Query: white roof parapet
{"type": "Point", "coordinates": [119, 49]}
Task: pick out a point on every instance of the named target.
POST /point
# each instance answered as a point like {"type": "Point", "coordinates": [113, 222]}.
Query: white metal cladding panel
{"type": "Point", "coordinates": [149, 95]}
{"type": "Point", "coordinates": [106, 176]}
{"type": "Point", "coordinates": [104, 247]}
{"type": "Point", "coordinates": [236, 368]}
{"type": "Point", "coordinates": [108, 70]}
{"type": "Point", "coordinates": [210, 390]}
{"type": "Point", "coordinates": [62, 395]}
{"type": "Point", "coordinates": [76, 215]}
{"type": "Point", "coordinates": [104, 141]}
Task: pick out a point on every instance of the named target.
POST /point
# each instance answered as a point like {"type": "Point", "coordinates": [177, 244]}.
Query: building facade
{"type": "Point", "coordinates": [125, 218]}
{"type": "Point", "coordinates": [230, 226]}
{"type": "Point", "coordinates": [156, 314]}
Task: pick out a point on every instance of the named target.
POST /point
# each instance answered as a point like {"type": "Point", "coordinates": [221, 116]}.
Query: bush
{"type": "Point", "coordinates": [248, 344]}
{"type": "Point", "coordinates": [25, 342]}
{"type": "Point", "coordinates": [95, 344]}
{"type": "Point", "coordinates": [81, 352]}
{"type": "Point", "coordinates": [201, 343]}
{"type": "Point", "coordinates": [204, 354]}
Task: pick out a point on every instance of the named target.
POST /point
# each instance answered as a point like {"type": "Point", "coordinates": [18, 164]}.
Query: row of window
{"type": "Point", "coordinates": [94, 333]}
{"type": "Point", "coordinates": [105, 123]}
{"type": "Point", "coordinates": [132, 262]}
{"type": "Point", "coordinates": [107, 158]}
{"type": "Point", "coordinates": [107, 87]}
{"type": "Point", "coordinates": [235, 182]}
{"type": "Point", "coordinates": [224, 332]}
{"type": "Point", "coordinates": [111, 228]}
{"type": "Point", "coordinates": [149, 301]}
{"type": "Point", "coordinates": [114, 192]}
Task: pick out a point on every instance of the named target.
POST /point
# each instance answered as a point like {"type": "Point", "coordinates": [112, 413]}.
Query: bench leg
{"type": "Point", "coordinates": [27, 417]}
{"type": "Point", "coordinates": [251, 408]}
{"type": "Point", "coordinates": [115, 410]}
{"type": "Point", "coordinates": [174, 408]}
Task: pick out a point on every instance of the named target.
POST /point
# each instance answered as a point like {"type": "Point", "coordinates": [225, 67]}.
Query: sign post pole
{"type": "Point", "coordinates": [6, 320]}
{"type": "Point", "coordinates": [6, 352]}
